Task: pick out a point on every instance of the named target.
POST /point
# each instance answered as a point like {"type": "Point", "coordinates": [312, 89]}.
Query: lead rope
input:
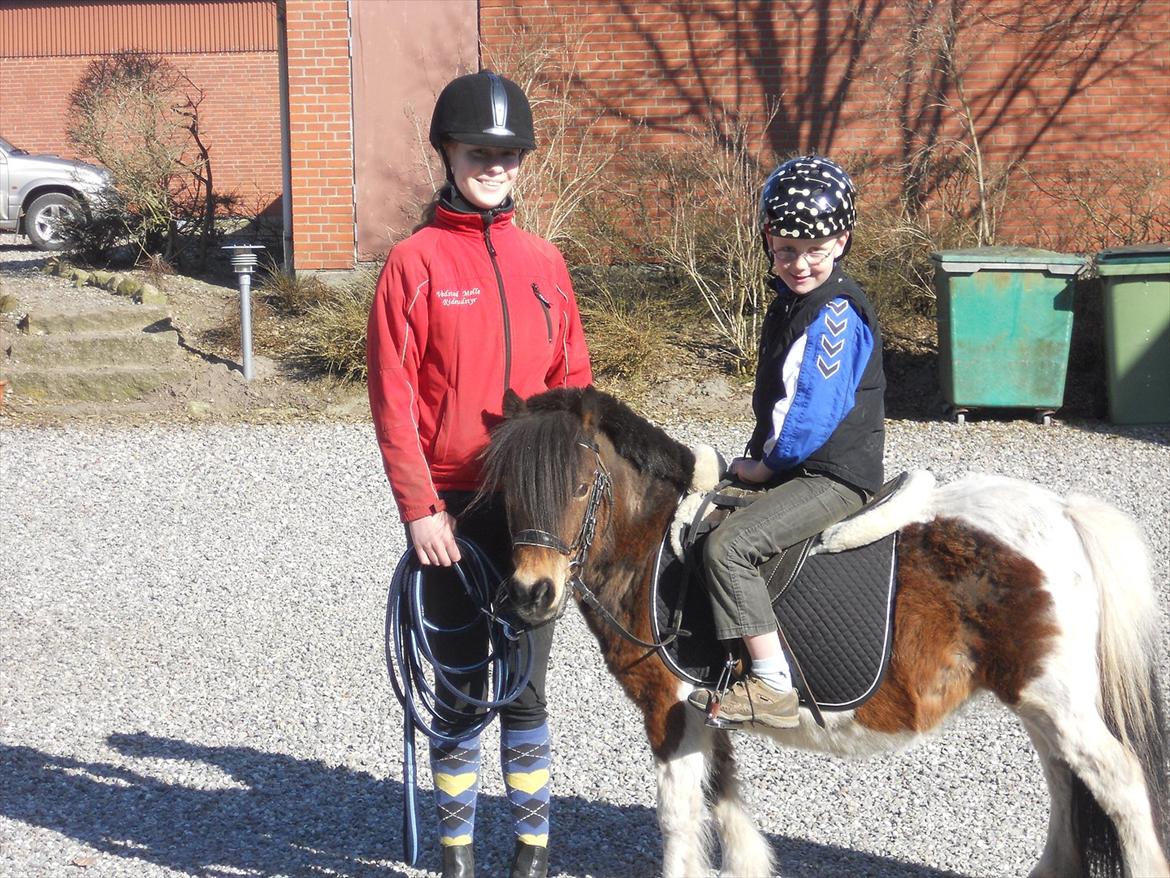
{"type": "Point", "coordinates": [410, 655]}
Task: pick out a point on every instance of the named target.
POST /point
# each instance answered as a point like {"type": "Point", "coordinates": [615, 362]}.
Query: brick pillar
{"type": "Point", "coordinates": [321, 133]}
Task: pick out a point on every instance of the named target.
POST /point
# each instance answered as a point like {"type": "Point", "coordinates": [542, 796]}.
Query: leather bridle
{"type": "Point", "coordinates": [601, 491]}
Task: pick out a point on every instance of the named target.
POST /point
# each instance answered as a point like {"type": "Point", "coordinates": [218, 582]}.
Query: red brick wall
{"type": "Point", "coordinates": [1047, 97]}
{"type": "Point", "coordinates": [240, 115]}
{"type": "Point", "coordinates": [321, 133]}
{"type": "Point", "coordinates": [227, 49]}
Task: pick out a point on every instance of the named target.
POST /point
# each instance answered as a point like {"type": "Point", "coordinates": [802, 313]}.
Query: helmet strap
{"type": "Point", "coordinates": [442, 150]}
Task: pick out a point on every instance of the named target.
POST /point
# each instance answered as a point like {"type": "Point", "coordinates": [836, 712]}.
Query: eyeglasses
{"type": "Point", "coordinates": [812, 258]}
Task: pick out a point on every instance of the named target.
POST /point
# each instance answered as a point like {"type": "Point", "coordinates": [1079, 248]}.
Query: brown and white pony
{"type": "Point", "coordinates": [1044, 601]}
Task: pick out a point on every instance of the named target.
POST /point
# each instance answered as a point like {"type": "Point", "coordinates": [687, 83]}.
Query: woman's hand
{"type": "Point", "coordinates": [747, 470]}
{"type": "Point", "coordinates": [433, 538]}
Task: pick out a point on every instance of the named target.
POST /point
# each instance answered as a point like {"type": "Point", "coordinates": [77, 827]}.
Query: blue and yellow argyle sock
{"type": "Point", "coordinates": [525, 758]}
{"type": "Point", "coordinates": [455, 768]}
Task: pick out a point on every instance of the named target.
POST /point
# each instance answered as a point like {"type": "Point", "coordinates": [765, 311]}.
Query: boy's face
{"type": "Point", "coordinates": [805, 263]}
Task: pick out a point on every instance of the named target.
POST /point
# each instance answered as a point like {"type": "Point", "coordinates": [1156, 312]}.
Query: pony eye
{"type": "Point", "coordinates": [582, 490]}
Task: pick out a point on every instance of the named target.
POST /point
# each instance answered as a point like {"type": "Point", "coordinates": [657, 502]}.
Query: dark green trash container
{"type": "Point", "coordinates": [1004, 325]}
{"type": "Point", "coordinates": [1136, 285]}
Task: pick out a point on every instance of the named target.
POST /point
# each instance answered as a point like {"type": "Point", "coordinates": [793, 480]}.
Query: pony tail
{"type": "Point", "coordinates": [1127, 640]}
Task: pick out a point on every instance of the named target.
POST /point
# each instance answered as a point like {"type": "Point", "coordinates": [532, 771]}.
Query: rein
{"type": "Point", "coordinates": [412, 665]}
{"type": "Point", "coordinates": [577, 553]}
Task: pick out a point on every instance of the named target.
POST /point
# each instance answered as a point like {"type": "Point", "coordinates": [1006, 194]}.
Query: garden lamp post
{"type": "Point", "coordinates": [244, 262]}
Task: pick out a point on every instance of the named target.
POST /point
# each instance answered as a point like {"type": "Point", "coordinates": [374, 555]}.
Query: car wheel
{"type": "Point", "coordinates": [43, 222]}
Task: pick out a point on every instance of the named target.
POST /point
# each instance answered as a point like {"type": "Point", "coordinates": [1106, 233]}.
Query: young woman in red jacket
{"type": "Point", "coordinates": [467, 307]}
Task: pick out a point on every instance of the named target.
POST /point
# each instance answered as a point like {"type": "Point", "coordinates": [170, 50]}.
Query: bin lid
{"type": "Point", "coordinates": [973, 259]}
{"type": "Point", "coordinates": [1136, 253]}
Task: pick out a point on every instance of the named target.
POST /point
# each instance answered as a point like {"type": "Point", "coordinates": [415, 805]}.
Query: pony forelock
{"type": "Point", "coordinates": [529, 462]}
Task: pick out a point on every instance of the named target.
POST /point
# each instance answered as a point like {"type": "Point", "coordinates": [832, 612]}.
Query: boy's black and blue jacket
{"type": "Point", "coordinates": [819, 397]}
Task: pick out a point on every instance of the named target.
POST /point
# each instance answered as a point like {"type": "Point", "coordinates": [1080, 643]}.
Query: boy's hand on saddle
{"type": "Point", "coordinates": [433, 538]}
{"type": "Point", "coordinates": [747, 470]}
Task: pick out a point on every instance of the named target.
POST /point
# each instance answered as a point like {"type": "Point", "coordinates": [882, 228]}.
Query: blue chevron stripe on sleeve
{"type": "Point", "coordinates": [838, 346]}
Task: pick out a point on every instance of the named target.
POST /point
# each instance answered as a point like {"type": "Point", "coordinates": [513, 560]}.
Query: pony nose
{"type": "Point", "coordinates": [543, 594]}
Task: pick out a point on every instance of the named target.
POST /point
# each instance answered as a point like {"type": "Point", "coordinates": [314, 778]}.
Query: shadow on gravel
{"type": "Point", "coordinates": [36, 259]}
{"type": "Point", "coordinates": [278, 815]}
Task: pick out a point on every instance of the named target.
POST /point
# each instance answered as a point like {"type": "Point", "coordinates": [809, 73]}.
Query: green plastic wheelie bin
{"type": "Point", "coordinates": [1004, 326]}
{"type": "Point", "coordinates": [1135, 283]}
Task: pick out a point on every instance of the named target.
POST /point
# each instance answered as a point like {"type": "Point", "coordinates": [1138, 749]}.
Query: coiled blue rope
{"type": "Point", "coordinates": [411, 665]}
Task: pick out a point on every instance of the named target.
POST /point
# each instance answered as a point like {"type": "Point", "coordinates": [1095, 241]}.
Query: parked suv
{"type": "Point", "coordinates": [38, 191]}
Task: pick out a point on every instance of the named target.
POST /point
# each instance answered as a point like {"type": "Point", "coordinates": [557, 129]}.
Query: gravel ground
{"type": "Point", "coordinates": [192, 678]}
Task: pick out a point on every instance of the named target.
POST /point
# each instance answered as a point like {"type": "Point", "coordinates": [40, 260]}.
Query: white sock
{"type": "Point", "coordinates": [773, 671]}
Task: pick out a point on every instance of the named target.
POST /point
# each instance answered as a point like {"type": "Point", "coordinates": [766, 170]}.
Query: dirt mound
{"type": "Point", "coordinates": [208, 383]}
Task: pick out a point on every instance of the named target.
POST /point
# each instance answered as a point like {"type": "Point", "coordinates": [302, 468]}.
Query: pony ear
{"type": "Point", "coordinates": [514, 406]}
{"type": "Point", "coordinates": [591, 414]}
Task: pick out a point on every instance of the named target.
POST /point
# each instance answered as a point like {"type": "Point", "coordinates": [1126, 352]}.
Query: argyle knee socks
{"type": "Point", "coordinates": [525, 758]}
{"type": "Point", "coordinates": [455, 768]}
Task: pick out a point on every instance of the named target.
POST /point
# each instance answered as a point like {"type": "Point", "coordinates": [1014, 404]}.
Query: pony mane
{"type": "Point", "coordinates": [649, 448]}
{"type": "Point", "coordinates": [526, 458]}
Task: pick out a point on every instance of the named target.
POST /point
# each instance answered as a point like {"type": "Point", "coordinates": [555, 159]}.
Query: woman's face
{"type": "Point", "coordinates": [805, 264]}
{"type": "Point", "coordinates": [484, 175]}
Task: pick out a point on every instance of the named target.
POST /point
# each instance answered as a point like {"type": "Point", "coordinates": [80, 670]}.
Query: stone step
{"type": "Point", "coordinates": [95, 383]}
{"type": "Point", "coordinates": [107, 319]}
{"type": "Point", "coordinates": [86, 348]}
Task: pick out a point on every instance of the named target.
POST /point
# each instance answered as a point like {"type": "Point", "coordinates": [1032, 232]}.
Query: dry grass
{"type": "Point", "coordinates": [292, 296]}
{"type": "Point", "coordinates": [622, 312]}
{"type": "Point", "coordinates": [331, 337]}
{"type": "Point", "coordinates": [313, 327]}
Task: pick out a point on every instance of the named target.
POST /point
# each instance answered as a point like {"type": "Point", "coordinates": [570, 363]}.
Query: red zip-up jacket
{"type": "Point", "coordinates": [465, 308]}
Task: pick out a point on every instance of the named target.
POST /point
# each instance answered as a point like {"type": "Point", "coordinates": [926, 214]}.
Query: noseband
{"type": "Point", "coordinates": [602, 490]}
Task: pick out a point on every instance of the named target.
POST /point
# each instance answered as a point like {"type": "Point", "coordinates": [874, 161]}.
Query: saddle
{"type": "Point", "coordinates": [833, 597]}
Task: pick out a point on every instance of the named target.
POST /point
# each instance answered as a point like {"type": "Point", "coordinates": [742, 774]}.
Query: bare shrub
{"type": "Point", "coordinates": [1120, 205]}
{"type": "Point", "coordinates": [291, 295]}
{"type": "Point", "coordinates": [138, 115]}
{"type": "Point", "coordinates": [890, 258]}
{"type": "Point", "coordinates": [707, 229]}
{"type": "Point", "coordinates": [566, 175]}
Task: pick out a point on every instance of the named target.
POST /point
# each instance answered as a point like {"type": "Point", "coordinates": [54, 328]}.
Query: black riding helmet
{"type": "Point", "coordinates": [483, 109]}
{"type": "Point", "coordinates": [807, 197]}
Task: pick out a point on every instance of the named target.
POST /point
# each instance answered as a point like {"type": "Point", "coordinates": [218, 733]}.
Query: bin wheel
{"type": "Point", "coordinates": [959, 416]}
{"type": "Point", "coordinates": [1044, 418]}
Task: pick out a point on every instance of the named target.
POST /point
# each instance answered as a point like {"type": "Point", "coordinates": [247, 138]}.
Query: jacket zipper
{"type": "Point", "coordinates": [488, 218]}
{"type": "Point", "coordinates": [546, 307]}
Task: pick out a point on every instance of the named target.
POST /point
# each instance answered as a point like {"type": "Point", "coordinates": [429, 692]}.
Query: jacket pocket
{"type": "Point", "coordinates": [546, 307]}
{"type": "Point", "coordinates": [444, 425]}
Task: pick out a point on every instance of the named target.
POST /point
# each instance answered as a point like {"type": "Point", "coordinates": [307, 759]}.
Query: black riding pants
{"type": "Point", "coordinates": [446, 604]}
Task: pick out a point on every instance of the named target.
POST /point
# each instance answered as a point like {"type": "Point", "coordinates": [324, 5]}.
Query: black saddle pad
{"type": "Point", "coordinates": [837, 615]}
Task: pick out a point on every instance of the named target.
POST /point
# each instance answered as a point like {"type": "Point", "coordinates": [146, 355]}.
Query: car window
{"type": "Point", "coordinates": [10, 149]}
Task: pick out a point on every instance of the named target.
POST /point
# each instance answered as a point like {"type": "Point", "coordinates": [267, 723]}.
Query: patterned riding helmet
{"type": "Point", "coordinates": [808, 197]}
{"type": "Point", "coordinates": [483, 109]}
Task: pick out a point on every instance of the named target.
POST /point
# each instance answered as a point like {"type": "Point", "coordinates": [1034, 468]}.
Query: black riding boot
{"type": "Point", "coordinates": [529, 861]}
{"type": "Point", "coordinates": [458, 861]}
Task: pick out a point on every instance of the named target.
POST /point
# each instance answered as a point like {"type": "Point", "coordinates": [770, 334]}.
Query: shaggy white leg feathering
{"type": "Point", "coordinates": [682, 808]}
{"type": "Point", "coordinates": [746, 853]}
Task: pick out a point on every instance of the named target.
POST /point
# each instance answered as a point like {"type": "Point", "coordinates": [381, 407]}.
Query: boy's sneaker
{"type": "Point", "coordinates": [751, 700]}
